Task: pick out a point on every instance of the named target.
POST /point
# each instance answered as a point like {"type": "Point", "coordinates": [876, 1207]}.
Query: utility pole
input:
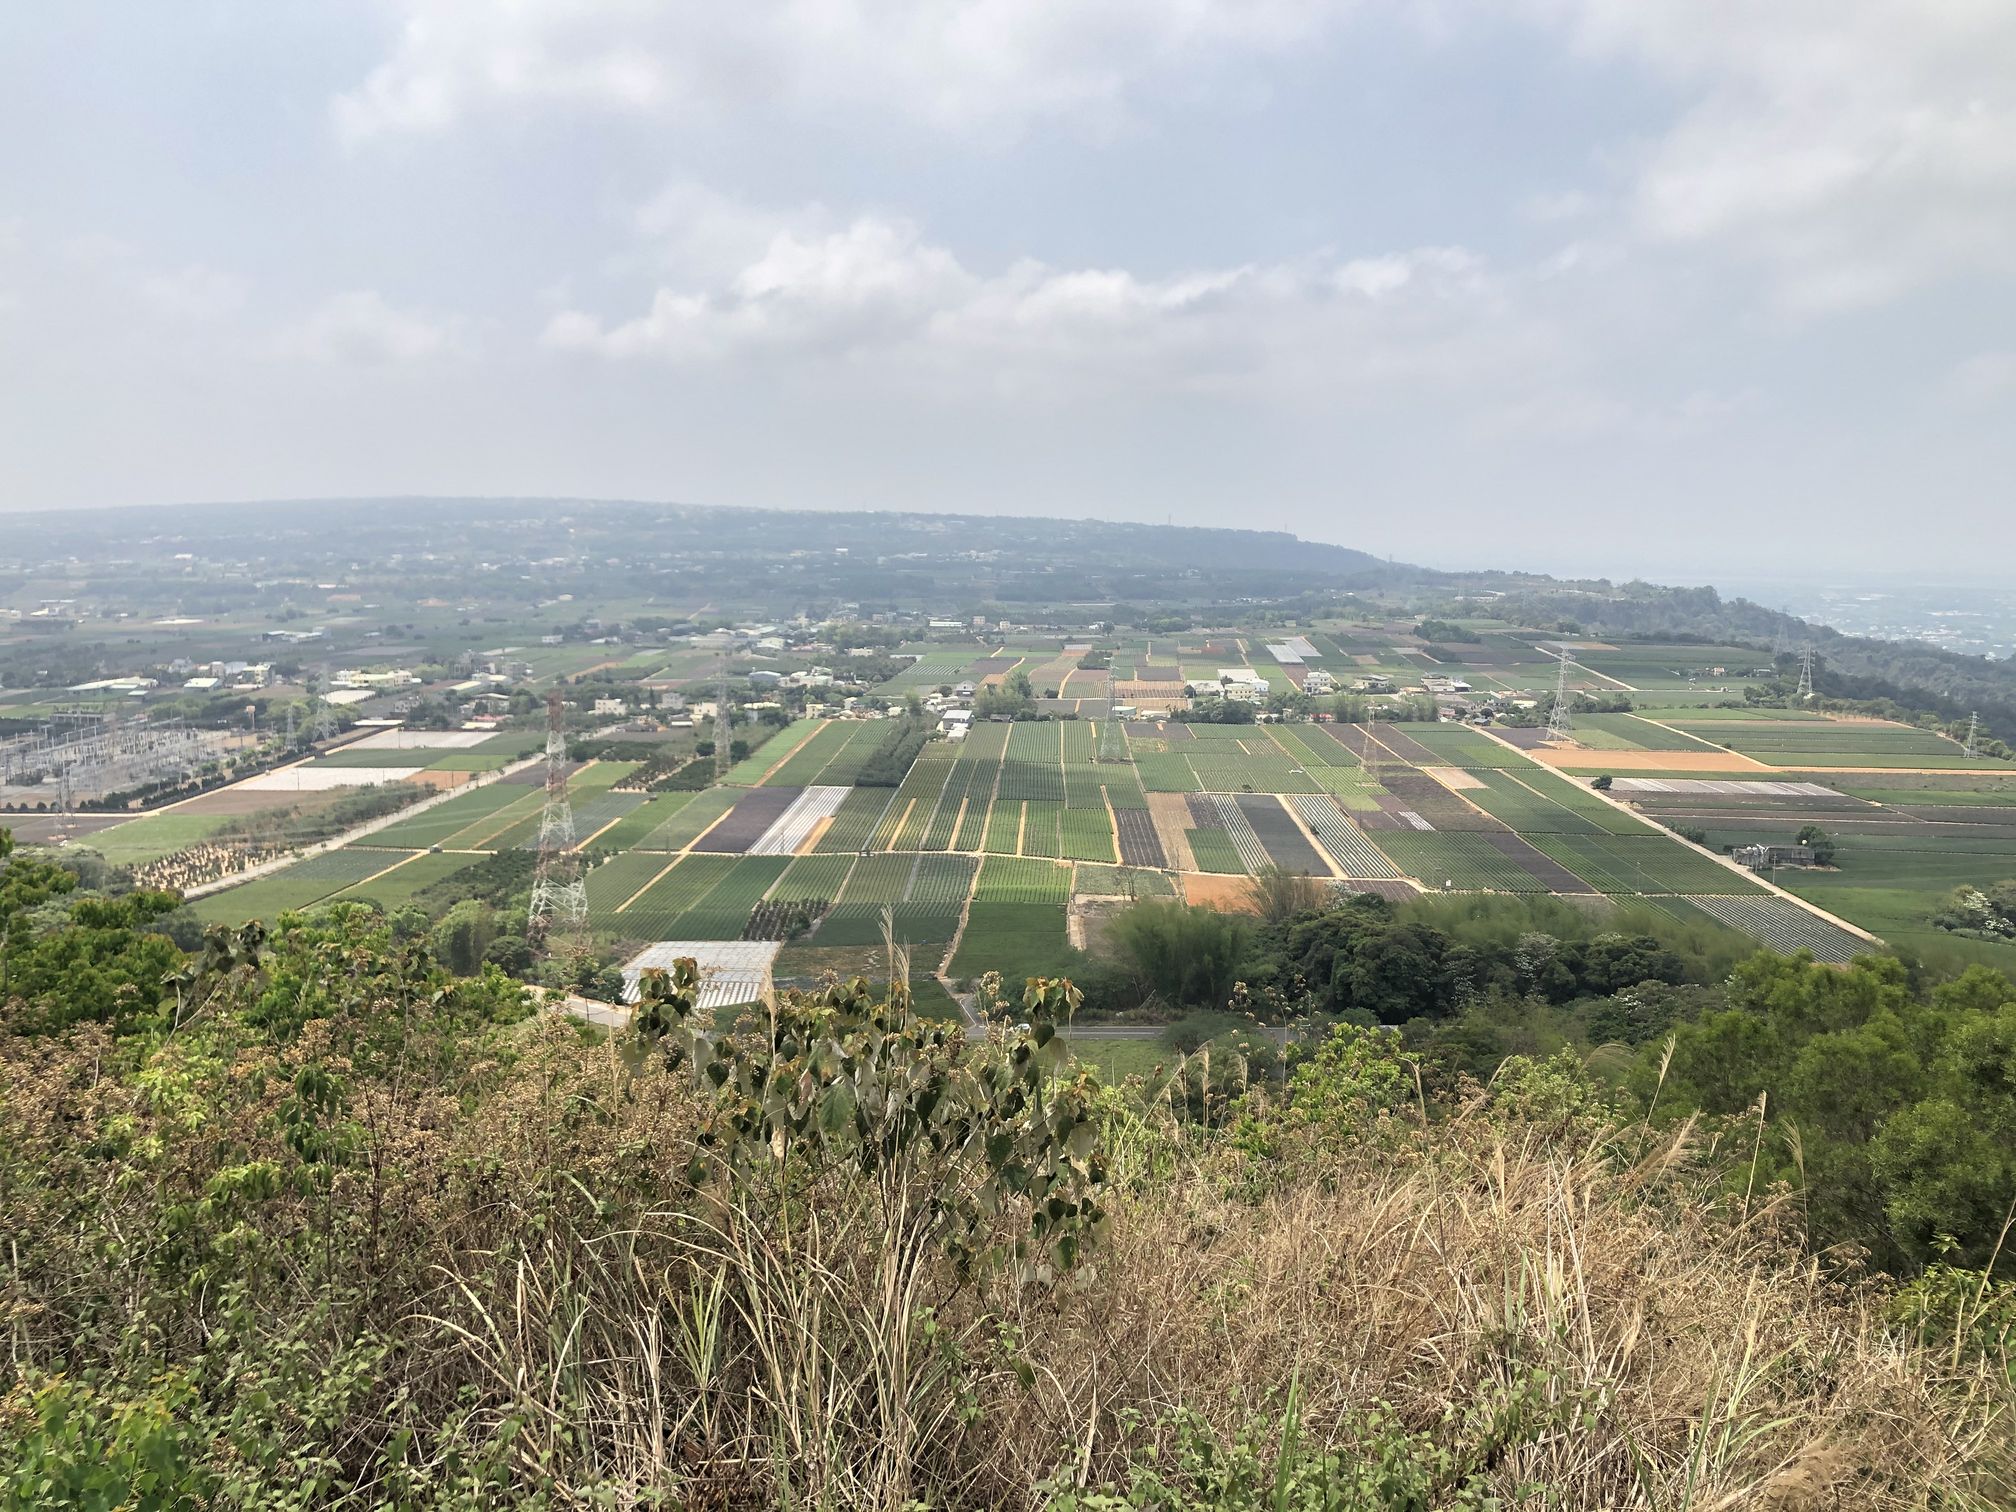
{"type": "Point", "coordinates": [558, 920]}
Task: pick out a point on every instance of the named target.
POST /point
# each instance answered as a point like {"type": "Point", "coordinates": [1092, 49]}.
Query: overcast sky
{"type": "Point", "coordinates": [1650, 286]}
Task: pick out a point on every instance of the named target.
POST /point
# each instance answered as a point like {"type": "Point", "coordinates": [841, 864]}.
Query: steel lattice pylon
{"type": "Point", "coordinates": [558, 920]}
{"type": "Point", "coordinates": [1559, 722]}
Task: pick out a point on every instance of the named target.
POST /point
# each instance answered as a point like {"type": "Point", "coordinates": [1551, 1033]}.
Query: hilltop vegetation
{"type": "Point", "coordinates": [309, 1221]}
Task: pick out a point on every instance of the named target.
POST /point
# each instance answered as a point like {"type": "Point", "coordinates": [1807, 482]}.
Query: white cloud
{"type": "Point", "coordinates": [956, 63]}
{"type": "Point", "coordinates": [358, 326]}
{"type": "Point", "coordinates": [1855, 149]}
{"type": "Point", "coordinates": [192, 293]}
{"type": "Point", "coordinates": [876, 295]}
{"type": "Point", "coordinates": [1986, 378]}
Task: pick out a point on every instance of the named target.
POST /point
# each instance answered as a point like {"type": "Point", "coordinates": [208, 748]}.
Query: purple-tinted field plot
{"type": "Point", "coordinates": [1542, 867]}
{"type": "Point", "coordinates": [1139, 844]}
{"type": "Point", "coordinates": [744, 824]}
{"type": "Point", "coordinates": [1286, 846]}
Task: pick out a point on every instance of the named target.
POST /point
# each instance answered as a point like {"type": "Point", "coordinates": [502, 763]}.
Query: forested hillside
{"type": "Point", "coordinates": [301, 1219]}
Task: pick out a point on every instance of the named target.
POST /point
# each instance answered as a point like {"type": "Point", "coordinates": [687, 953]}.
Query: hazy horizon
{"type": "Point", "coordinates": [1666, 290]}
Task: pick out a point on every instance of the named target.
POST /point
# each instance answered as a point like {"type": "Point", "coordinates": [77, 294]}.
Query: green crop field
{"type": "Point", "coordinates": [652, 915]}
{"type": "Point", "coordinates": [1627, 732]}
{"type": "Point", "coordinates": [438, 824]}
{"type": "Point", "coordinates": [1004, 879]}
{"type": "Point", "coordinates": [1619, 864]}
{"type": "Point", "coordinates": [1536, 801]}
{"type": "Point", "coordinates": [395, 889]}
{"type": "Point", "coordinates": [814, 877]}
{"type": "Point", "coordinates": [1214, 852]}
{"type": "Point", "coordinates": [875, 884]}
{"type": "Point", "coordinates": [305, 882]}
{"type": "Point", "coordinates": [773, 752]}
{"type": "Point", "coordinates": [1456, 746]}
{"type": "Point", "coordinates": [690, 820]}
{"type": "Point", "coordinates": [1018, 940]}
{"type": "Point", "coordinates": [723, 912]}
{"type": "Point", "coordinates": [616, 881]}
{"type": "Point", "coordinates": [854, 825]}
{"type": "Point", "coordinates": [633, 827]}
{"type": "Point", "coordinates": [1463, 860]}
{"type": "Point", "coordinates": [154, 836]}
{"type": "Point", "coordinates": [1041, 829]}
{"type": "Point", "coordinates": [1087, 835]}
{"type": "Point", "coordinates": [1004, 828]}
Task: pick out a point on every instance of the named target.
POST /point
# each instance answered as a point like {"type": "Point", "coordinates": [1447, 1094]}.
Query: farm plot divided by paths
{"type": "Point", "coordinates": [598, 814]}
{"type": "Point", "coordinates": [440, 824]}
{"type": "Point", "coordinates": [924, 894]}
{"type": "Point", "coordinates": [792, 828]}
{"type": "Point", "coordinates": [700, 897]}
{"type": "Point", "coordinates": [832, 757]}
{"type": "Point", "coordinates": [1220, 813]}
{"type": "Point", "coordinates": [750, 818]}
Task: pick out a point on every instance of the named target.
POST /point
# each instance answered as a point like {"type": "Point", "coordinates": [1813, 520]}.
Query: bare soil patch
{"type": "Point", "coordinates": [1171, 813]}
{"type": "Point", "coordinates": [444, 780]}
{"type": "Point", "coordinates": [1226, 894]}
{"type": "Point", "coordinates": [1454, 778]}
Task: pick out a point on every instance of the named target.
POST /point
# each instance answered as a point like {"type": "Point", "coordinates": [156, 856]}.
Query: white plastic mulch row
{"type": "Point", "coordinates": [319, 779]}
{"type": "Point", "coordinates": [1286, 654]}
{"type": "Point", "coordinates": [731, 971]}
{"type": "Point", "coordinates": [1232, 819]}
{"type": "Point", "coordinates": [1727, 789]}
{"type": "Point", "coordinates": [420, 740]}
{"type": "Point", "coordinates": [794, 826]}
{"type": "Point", "coordinates": [1338, 835]}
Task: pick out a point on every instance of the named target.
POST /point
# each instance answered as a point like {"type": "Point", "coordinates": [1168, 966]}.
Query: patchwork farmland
{"type": "Point", "coordinates": [972, 850]}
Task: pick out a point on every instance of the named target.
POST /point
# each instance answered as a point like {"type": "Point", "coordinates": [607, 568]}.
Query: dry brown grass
{"type": "Point", "coordinates": [1552, 1301]}
{"type": "Point", "coordinates": [1670, 1358]}
{"type": "Point", "coordinates": [1558, 1315]}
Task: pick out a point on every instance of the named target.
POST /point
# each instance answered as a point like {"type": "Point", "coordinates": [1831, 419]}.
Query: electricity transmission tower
{"type": "Point", "coordinates": [322, 720]}
{"type": "Point", "coordinates": [1559, 724]}
{"type": "Point", "coordinates": [1973, 734]}
{"type": "Point", "coordinates": [558, 921]}
{"type": "Point", "coordinates": [722, 728]}
{"type": "Point", "coordinates": [1805, 688]}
